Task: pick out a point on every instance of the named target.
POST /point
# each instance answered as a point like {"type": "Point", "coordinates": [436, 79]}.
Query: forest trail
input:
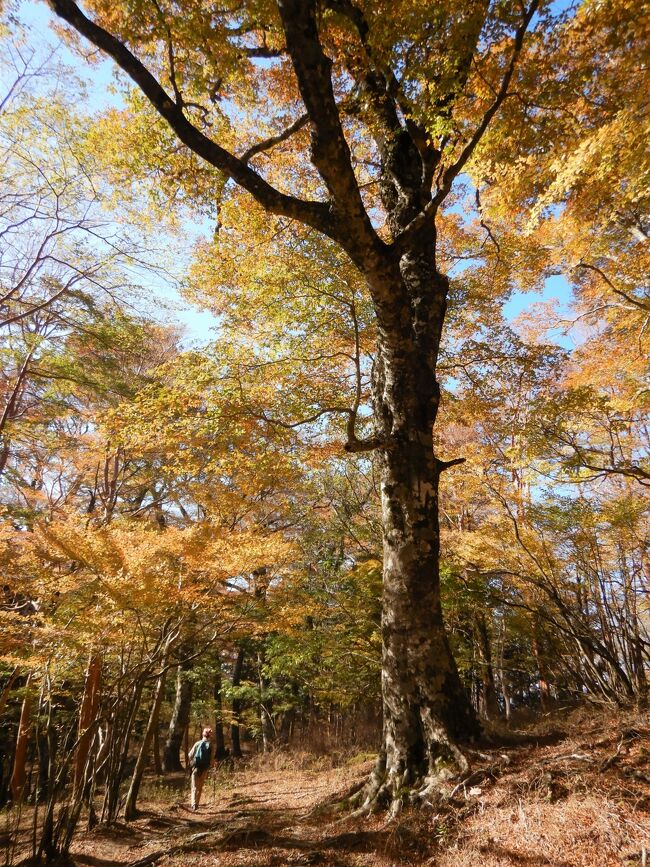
{"type": "Point", "coordinates": [575, 799]}
{"type": "Point", "coordinates": [241, 813]}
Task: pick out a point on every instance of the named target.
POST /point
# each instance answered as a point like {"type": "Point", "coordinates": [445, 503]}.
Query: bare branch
{"type": "Point", "coordinates": [270, 142]}
{"type": "Point", "coordinates": [484, 225]}
{"type": "Point", "coordinates": [637, 302]}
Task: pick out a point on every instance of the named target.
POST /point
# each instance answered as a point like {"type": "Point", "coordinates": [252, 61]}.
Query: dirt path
{"type": "Point", "coordinates": [249, 818]}
{"type": "Point", "coordinates": [581, 799]}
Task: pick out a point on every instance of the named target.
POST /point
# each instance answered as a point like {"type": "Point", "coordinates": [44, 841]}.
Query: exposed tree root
{"type": "Point", "coordinates": [388, 789]}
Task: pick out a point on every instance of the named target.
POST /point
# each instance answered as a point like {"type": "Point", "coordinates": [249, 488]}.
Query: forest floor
{"type": "Point", "coordinates": [574, 791]}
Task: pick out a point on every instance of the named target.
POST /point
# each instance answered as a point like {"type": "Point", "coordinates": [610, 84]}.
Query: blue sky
{"type": "Point", "coordinates": [103, 92]}
{"type": "Point", "coordinates": [98, 75]}
{"type": "Point", "coordinates": [556, 289]}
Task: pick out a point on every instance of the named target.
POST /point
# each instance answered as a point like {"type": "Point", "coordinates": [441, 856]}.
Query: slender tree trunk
{"type": "Point", "coordinates": [155, 748]}
{"type": "Point", "coordinates": [45, 761]}
{"type": "Point", "coordinates": [219, 739]}
{"type": "Point", "coordinates": [186, 745]}
{"type": "Point", "coordinates": [545, 697]}
{"type": "Point", "coordinates": [130, 809]}
{"type": "Point", "coordinates": [19, 773]}
{"type": "Point", "coordinates": [288, 719]}
{"type": "Point", "coordinates": [5, 451]}
{"type": "Point", "coordinates": [640, 671]}
{"type": "Point", "coordinates": [12, 408]}
{"type": "Point", "coordinates": [505, 692]}
{"type": "Point", "coordinates": [180, 719]}
{"type": "Point", "coordinates": [236, 705]}
{"type": "Point", "coordinates": [125, 715]}
{"type": "Point", "coordinates": [266, 720]}
{"type": "Point", "coordinates": [87, 714]}
{"type": "Point", "coordinates": [489, 702]}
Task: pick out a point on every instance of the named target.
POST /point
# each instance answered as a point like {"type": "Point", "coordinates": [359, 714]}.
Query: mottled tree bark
{"type": "Point", "coordinates": [426, 709]}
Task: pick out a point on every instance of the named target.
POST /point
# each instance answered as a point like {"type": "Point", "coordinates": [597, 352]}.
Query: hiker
{"type": "Point", "coordinates": [200, 763]}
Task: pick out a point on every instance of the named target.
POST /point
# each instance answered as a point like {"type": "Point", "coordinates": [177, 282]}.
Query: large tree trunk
{"type": "Point", "coordinates": [426, 709]}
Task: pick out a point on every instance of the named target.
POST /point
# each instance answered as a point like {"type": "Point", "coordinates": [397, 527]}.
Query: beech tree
{"type": "Point", "coordinates": [396, 100]}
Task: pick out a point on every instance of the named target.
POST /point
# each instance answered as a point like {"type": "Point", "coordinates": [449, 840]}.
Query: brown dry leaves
{"type": "Point", "coordinates": [580, 801]}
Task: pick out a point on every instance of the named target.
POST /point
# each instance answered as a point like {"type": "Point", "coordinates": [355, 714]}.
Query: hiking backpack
{"type": "Point", "coordinates": [201, 760]}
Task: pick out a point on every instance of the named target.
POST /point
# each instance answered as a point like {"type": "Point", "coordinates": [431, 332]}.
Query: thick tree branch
{"type": "Point", "coordinates": [445, 103]}
{"type": "Point", "coordinates": [314, 214]}
{"type": "Point", "coordinates": [454, 170]}
{"type": "Point", "coordinates": [291, 425]}
{"type": "Point", "coordinates": [392, 88]}
{"type": "Point", "coordinates": [17, 317]}
{"type": "Point", "coordinates": [445, 465]}
{"type": "Point", "coordinates": [631, 471]}
{"type": "Point", "coordinates": [330, 150]}
{"type": "Point", "coordinates": [355, 445]}
{"type": "Point", "coordinates": [262, 51]}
